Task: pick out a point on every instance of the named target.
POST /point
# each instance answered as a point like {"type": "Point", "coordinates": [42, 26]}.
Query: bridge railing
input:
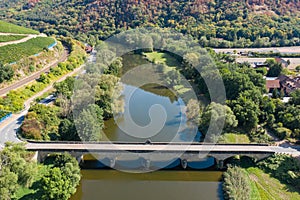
{"type": "Point", "coordinates": [142, 143]}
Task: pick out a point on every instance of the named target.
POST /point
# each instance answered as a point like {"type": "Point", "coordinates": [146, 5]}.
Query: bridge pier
{"type": "Point", "coordinates": [184, 163]}
{"type": "Point", "coordinates": [80, 159]}
{"type": "Point", "coordinates": [220, 164]}
{"type": "Point", "coordinates": [112, 163]}
{"type": "Point", "coordinates": [146, 163]}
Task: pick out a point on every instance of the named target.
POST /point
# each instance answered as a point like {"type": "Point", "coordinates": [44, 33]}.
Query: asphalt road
{"type": "Point", "coordinates": [9, 128]}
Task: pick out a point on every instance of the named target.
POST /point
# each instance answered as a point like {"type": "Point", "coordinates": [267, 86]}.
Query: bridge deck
{"type": "Point", "coordinates": [157, 147]}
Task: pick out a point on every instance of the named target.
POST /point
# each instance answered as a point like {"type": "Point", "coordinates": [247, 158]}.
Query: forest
{"type": "Point", "coordinates": [215, 23]}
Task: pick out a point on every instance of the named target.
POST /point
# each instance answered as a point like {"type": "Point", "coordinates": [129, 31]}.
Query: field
{"type": "Point", "coordinates": [162, 58]}
{"type": "Point", "coordinates": [14, 52]}
{"type": "Point", "coordinates": [8, 38]}
{"type": "Point", "coordinates": [11, 28]}
{"type": "Point", "coordinates": [232, 138]}
{"type": "Point", "coordinates": [270, 188]}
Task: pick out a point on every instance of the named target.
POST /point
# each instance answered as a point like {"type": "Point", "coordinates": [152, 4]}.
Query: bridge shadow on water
{"type": "Point", "coordinates": [140, 165]}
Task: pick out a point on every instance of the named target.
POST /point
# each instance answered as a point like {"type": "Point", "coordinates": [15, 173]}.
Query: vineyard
{"type": "Point", "coordinates": [14, 52]}
{"type": "Point", "coordinates": [8, 38]}
{"type": "Point", "coordinates": [11, 28]}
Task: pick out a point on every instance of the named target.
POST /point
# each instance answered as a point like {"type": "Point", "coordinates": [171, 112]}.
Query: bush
{"type": "Point", "coordinates": [236, 184]}
{"type": "Point", "coordinates": [282, 133]}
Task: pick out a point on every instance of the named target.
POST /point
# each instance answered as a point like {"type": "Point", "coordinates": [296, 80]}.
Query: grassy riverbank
{"type": "Point", "coordinates": [274, 178]}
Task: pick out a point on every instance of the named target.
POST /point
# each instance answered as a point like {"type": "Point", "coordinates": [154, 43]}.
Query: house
{"type": "Point", "coordinates": [283, 62]}
{"type": "Point", "coordinates": [289, 84]}
{"type": "Point", "coordinates": [88, 48]}
{"type": "Point", "coordinates": [272, 84]}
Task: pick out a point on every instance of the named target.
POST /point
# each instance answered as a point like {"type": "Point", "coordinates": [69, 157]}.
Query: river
{"type": "Point", "coordinates": [160, 185]}
{"type": "Point", "coordinates": [139, 123]}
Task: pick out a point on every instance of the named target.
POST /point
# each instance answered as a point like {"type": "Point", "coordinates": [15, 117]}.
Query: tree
{"type": "Point", "coordinates": [216, 113]}
{"type": "Point", "coordinates": [295, 97]}
{"type": "Point", "coordinates": [246, 112]}
{"type": "Point", "coordinates": [61, 179]}
{"type": "Point", "coordinates": [67, 131]}
{"type": "Point", "coordinates": [275, 68]}
{"type": "Point", "coordinates": [6, 73]}
{"type": "Point", "coordinates": [89, 123]}
{"type": "Point", "coordinates": [15, 170]}
{"type": "Point", "coordinates": [44, 79]}
{"type": "Point", "coordinates": [298, 68]}
{"type": "Point", "coordinates": [193, 110]}
{"type": "Point", "coordinates": [65, 87]}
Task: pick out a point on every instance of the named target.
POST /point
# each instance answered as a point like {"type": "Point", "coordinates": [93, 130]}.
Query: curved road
{"type": "Point", "coordinates": [34, 76]}
{"type": "Point", "coordinates": [8, 128]}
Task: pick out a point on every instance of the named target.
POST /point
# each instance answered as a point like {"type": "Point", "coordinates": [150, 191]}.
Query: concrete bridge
{"type": "Point", "coordinates": [148, 154]}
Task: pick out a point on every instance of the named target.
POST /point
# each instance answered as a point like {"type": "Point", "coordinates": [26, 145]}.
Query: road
{"type": "Point", "coordinates": [9, 127]}
{"type": "Point", "coordinates": [283, 50]}
{"type": "Point", "coordinates": [105, 147]}
{"type": "Point", "coordinates": [34, 76]}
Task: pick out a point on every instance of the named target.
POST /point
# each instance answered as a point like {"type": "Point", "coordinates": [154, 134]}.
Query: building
{"type": "Point", "coordinates": [272, 85]}
{"type": "Point", "coordinates": [289, 84]}
{"type": "Point", "coordinates": [88, 48]}
{"type": "Point", "coordinates": [283, 62]}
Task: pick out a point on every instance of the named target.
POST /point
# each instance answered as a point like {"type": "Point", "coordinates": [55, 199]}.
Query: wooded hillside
{"type": "Point", "coordinates": [216, 23]}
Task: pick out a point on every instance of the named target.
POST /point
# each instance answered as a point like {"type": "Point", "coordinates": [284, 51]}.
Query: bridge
{"type": "Point", "coordinates": [111, 153]}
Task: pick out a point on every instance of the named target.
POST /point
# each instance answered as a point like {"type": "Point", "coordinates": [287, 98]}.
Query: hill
{"type": "Point", "coordinates": [216, 23]}
{"type": "Point", "coordinates": [17, 42]}
{"type": "Point", "coordinates": [11, 28]}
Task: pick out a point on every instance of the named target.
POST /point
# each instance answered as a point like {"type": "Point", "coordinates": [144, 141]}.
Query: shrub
{"type": "Point", "coordinates": [236, 184]}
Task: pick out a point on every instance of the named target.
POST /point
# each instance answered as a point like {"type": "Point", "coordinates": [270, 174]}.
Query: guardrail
{"type": "Point", "coordinates": [140, 143]}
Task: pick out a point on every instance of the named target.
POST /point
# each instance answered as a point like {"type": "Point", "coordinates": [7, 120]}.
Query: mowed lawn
{"type": "Point", "coordinates": [11, 28]}
{"type": "Point", "coordinates": [14, 52]}
{"type": "Point", "coordinates": [162, 58]}
{"type": "Point", "coordinates": [234, 138]}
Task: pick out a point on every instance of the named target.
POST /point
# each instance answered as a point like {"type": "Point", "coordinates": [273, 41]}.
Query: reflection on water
{"type": "Point", "coordinates": [160, 185]}
{"type": "Point", "coordinates": [151, 116]}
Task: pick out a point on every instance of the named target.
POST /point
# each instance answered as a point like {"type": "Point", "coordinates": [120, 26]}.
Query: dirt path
{"type": "Point", "coordinates": [30, 36]}
{"type": "Point", "coordinates": [34, 76]}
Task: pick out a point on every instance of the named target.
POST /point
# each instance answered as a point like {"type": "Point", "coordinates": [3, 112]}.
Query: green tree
{"type": "Point", "coordinates": [89, 123]}
{"type": "Point", "coordinates": [274, 68]}
{"type": "Point", "coordinates": [246, 112]}
{"type": "Point", "coordinates": [15, 171]}
{"type": "Point", "coordinates": [61, 179]}
{"type": "Point", "coordinates": [215, 114]}
{"type": "Point", "coordinates": [6, 73]}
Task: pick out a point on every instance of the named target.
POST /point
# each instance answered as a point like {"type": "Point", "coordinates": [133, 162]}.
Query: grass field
{"type": "Point", "coordinates": [11, 28]}
{"type": "Point", "coordinates": [8, 38]}
{"type": "Point", "coordinates": [270, 188]}
{"type": "Point", "coordinates": [14, 52]}
{"type": "Point", "coordinates": [162, 58]}
{"type": "Point", "coordinates": [233, 138]}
